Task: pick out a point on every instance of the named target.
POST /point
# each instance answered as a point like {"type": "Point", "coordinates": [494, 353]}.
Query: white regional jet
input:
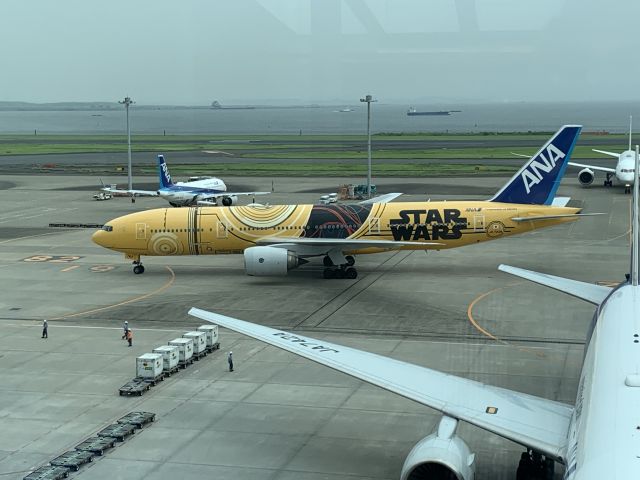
{"type": "Point", "coordinates": [597, 438]}
{"type": "Point", "coordinates": [623, 171]}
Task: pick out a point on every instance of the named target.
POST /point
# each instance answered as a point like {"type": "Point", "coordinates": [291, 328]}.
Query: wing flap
{"type": "Point", "coordinates": [589, 292]}
{"type": "Point", "coordinates": [531, 421]}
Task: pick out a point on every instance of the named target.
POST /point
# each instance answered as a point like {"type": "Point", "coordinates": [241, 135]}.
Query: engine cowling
{"type": "Point", "coordinates": [586, 176]}
{"type": "Point", "coordinates": [265, 261]}
{"type": "Point", "coordinates": [228, 201]}
{"type": "Point", "coordinates": [441, 456]}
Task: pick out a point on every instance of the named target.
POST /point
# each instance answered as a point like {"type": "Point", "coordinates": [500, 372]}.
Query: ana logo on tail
{"type": "Point", "coordinates": [538, 179]}
{"type": "Point", "coordinates": [165, 177]}
{"type": "Point", "coordinates": [531, 174]}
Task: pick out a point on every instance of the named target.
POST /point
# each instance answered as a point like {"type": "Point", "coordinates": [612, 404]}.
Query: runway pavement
{"type": "Point", "coordinates": [276, 416]}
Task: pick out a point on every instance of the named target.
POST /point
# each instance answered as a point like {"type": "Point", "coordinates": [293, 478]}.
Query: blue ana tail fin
{"type": "Point", "coordinates": [538, 180]}
{"type": "Point", "coordinates": [163, 172]}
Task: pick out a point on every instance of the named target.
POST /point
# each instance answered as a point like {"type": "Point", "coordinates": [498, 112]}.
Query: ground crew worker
{"type": "Point", "coordinates": [45, 327]}
{"type": "Point", "coordinates": [230, 360]}
{"type": "Point", "coordinates": [129, 335]}
{"type": "Point", "coordinates": [125, 327]}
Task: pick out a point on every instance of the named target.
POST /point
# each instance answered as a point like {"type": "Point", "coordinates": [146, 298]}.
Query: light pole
{"type": "Point", "coordinates": [126, 102]}
{"type": "Point", "coordinates": [368, 99]}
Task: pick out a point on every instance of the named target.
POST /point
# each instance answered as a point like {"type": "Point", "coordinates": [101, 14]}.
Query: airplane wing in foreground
{"type": "Point", "coordinates": [589, 292]}
{"type": "Point", "coordinates": [531, 421]}
{"type": "Point", "coordinates": [593, 167]}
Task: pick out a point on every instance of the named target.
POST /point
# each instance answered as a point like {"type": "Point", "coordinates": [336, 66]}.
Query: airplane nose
{"type": "Point", "coordinates": [99, 238]}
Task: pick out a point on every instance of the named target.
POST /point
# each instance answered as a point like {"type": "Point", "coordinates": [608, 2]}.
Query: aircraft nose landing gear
{"type": "Point", "coordinates": [138, 268]}
{"type": "Point", "coordinates": [608, 182]}
{"type": "Point", "coordinates": [534, 466]}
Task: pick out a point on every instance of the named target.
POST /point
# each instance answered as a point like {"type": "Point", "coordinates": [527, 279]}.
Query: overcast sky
{"type": "Point", "coordinates": [241, 51]}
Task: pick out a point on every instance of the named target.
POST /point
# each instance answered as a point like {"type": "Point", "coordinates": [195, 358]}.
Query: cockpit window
{"type": "Point", "coordinates": [107, 228]}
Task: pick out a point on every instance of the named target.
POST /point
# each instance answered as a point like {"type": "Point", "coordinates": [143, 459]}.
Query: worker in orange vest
{"type": "Point", "coordinates": [130, 336]}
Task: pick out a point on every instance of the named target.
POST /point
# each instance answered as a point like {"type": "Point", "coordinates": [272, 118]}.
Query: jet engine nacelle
{"type": "Point", "coordinates": [228, 201]}
{"type": "Point", "coordinates": [440, 456]}
{"type": "Point", "coordinates": [264, 261]}
{"type": "Point", "coordinates": [586, 176]}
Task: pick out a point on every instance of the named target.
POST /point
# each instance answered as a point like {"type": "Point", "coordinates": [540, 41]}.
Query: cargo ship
{"type": "Point", "coordinates": [412, 112]}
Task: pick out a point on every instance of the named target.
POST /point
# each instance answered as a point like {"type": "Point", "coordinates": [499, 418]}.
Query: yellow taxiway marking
{"type": "Point", "coordinates": [488, 334]}
{"type": "Point", "coordinates": [126, 302]}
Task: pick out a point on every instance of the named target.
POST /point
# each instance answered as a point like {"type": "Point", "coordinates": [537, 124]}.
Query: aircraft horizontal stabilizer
{"type": "Point", "coordinates": [554, 217]}
{"type": "Point", "coordinates": [532, 421]}
{"type": "Point", "coordinates": [589, 292]}
{"type": "Point", "coordinates": [386, 198]}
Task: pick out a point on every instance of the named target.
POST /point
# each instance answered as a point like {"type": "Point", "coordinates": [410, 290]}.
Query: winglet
{"type": "Point", "coordinates": [163, 172]}
{"type": "Point", "coordinates": [538, 180]}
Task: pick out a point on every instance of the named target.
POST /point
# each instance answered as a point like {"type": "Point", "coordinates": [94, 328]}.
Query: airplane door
{"type": "Point", "coordinates": [222, 229]}
{"type": "Point", "coordinates": [374, 225]}
{"type": "Point", "coordinates": [478, 223]}
{"type": "Point", "coordinates": [141, 231]}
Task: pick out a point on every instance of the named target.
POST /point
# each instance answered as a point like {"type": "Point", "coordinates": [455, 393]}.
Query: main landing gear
{"type": "Point", "coordinates": [346, 270]}
{"type": "Point", "coordinates": [608, 182]}
{"type": "Point", "coordinates": [534, 466]}
{"type": "Point", "coordinates": [138, 268]}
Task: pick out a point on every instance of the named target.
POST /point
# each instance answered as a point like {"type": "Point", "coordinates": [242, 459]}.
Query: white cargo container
{"type": "Point", "coordinates": [170, 357]}
{"type": "Point", "coordinates": [149, 365]}
{"type": "Point", "coordinates": [185, 349]}
{"type": "Point", "coordinates": [212, 335]}
{"type": "Point", "coordinates": [199, 341]}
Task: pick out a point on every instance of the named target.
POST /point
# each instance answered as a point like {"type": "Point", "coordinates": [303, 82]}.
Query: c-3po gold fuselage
{"type": "Point", "coordinates": [226, 230]}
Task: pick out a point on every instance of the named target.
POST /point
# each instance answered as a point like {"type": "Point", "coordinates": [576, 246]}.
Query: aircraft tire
{"type": "Point", "coordinates": [351, 273]}
{"type": "Point", "coordinates": [350, 260]}
{"type": "Point", "coordinates": [138, 269]}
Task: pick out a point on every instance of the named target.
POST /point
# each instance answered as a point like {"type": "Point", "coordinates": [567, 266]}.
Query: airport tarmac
{"type": "Point", "coordinates": [277, 416]}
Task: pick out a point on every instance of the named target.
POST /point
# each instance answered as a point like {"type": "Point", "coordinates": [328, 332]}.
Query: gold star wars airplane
{"type": "Point", "coordinates": [275, 239]}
